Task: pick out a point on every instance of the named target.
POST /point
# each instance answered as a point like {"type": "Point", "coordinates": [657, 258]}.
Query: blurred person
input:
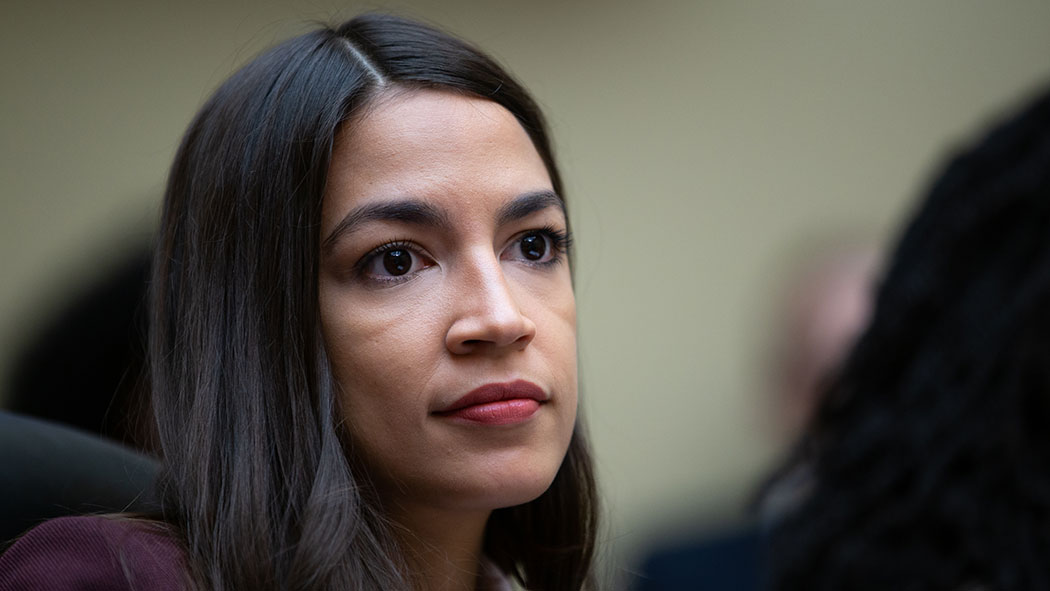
{"type": "Point", "coordinates": [85, 366]}
{"type": "Point", "coordinates": [824, 301]}
{"type": "Point", "coordinates": [927, 458]}
{"type": "Point", "coordinates": [363, 338]}
{"type": "Point", "coordinates": [825, 304]}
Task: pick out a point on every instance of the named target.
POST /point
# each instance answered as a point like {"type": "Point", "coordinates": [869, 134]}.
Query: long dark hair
{"type": "Point", "coordinates": [929, 457]}
{"type": "Point", "coordinates": [255, 478]}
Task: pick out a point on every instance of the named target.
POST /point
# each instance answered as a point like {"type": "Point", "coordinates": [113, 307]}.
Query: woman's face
{"type": "Point", "coordinates": [446, 303]}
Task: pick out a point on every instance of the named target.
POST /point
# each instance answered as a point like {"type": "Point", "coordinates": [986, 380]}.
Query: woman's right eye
{"type": "Point", "coordinates": [393, 262]}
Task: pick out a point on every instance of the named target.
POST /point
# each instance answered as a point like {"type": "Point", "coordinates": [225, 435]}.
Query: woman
{"type": "Point", "coordinates": [363, 329]}
{"type": "Point", "coordinates": [927, 464]}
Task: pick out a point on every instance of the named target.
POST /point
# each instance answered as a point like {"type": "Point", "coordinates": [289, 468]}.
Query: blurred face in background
{"type": "Point", "coordinates": [446, 303]}
{"type": "Point", "coordinates": [825, 308]}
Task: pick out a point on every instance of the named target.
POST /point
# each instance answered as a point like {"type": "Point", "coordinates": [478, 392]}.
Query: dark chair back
{"type": "Point", "coordinates": [49, 470]}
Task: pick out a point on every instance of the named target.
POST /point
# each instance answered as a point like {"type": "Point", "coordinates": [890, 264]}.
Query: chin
{"type": "Point", "coordinates": [524, 493]}
{"type": "Point", "coordinates": [516, 484]}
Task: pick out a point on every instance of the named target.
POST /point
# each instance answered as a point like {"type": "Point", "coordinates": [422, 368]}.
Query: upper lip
{"type": "Point", "coordinates": [496, 392]}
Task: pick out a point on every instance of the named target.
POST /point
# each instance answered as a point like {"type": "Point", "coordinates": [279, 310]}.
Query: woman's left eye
{"type": "Point", "coordinates": [538, 246]}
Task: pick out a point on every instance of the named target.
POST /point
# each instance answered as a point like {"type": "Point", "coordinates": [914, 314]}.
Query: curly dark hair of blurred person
{"type": "Point", "coordinates": [927, 462]}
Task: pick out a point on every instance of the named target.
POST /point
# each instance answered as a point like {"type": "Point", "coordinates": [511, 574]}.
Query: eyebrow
{"type": "Point", "coordinates": [420, 213]}
{"type": "Point", "coordinates": [527, 204]}
{"type": "Point", "coordinates": [409, 211]}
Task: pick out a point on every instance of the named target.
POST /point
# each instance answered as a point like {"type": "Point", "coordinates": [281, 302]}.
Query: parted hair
{"type": "Point", "coordinates": [255, 480]}
{"type": "Point", "coordinates": [929, 458]}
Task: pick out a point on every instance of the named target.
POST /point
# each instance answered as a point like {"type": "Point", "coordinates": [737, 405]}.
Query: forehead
{"type": "Point", "coordinates": [432, 145]}
{"type": "Point", "coordinates": [417, 116]}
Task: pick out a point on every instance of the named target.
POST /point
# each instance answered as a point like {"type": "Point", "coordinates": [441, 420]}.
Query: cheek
{"type": "Point", "coordinates": [375, 374]}
{"type": "Point", "coordinates": [556, 315]}
{"type": "Point", "coordinates": [556, 341]}
{"type": "Point", "coordinates": [566, 314]}
{"type": "Point", "coordinates": [379, 356]}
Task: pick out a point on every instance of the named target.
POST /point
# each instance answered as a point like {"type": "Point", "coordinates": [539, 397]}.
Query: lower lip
{"type": "Point", "coordinates": [504, 412]}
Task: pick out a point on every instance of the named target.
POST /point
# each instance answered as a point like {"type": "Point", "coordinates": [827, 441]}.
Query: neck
{"type": "Point", "coordinates": [443, 549]}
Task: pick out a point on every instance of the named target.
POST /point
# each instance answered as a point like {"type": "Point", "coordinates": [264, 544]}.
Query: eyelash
{"type": "Point", "coordinates": [561, 242]}
{"type": "Point", "coordinates": [361, 268]}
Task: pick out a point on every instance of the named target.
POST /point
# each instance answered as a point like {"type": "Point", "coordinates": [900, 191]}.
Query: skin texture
{"type": "Point", "coordinates": [471, 310]}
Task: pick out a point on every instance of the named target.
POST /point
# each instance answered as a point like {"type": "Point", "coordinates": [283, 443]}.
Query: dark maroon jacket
{"type": "Point", "coordinates": [94, 554]}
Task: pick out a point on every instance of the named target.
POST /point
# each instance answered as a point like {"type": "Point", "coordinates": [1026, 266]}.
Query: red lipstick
{"type": "Point", "coordinates": [497, 404]}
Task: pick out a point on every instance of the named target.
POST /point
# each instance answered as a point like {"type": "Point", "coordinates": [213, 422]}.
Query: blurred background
{"type": "Point", "coordinates": [710, 149]}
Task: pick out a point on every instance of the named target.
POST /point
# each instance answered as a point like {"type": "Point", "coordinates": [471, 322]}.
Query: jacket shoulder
{"type": "Point", "coordinates": [111, 553]}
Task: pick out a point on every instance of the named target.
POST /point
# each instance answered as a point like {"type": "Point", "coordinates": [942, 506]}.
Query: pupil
{"type": "Point", "coordinates": [397, 262]}
{"type": "Point", "coordinates": [533, 247]}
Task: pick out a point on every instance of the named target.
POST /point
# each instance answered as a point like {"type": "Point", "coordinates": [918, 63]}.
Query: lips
{"type": "Point", "coordinates": [497, 404]}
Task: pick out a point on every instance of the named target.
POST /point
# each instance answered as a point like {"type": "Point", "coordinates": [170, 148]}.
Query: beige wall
{"type": "Point", "coordinates": [700, 140]}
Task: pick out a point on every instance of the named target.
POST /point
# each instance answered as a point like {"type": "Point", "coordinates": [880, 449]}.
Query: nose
{"type": "Point", "coordinates": [487, 315]}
